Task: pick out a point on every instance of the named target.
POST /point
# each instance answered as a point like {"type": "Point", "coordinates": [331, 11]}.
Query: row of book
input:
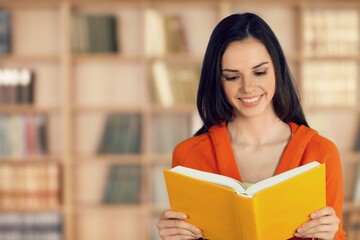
{"type": "Point", "coordinates": [352, 173]}
{"type": "Point", "coordinates": [23, 135]}
{"type": "Point", "coordinates": [16, 86]}
{"type": "Point", "coordinates": [94, 33]}
{"type": "Point", "coordinates": [164, 33]}
{"type": "Point", "coordinates": [174, 84]}
{"type": "Point", "coordinates": [29, 186]}
{"type": "Point", "coordinates": [330, 83]}
{"type": "Point", "coordinates": [331, 32]}
{"type": "Point", "coordinates": [123, 185]}
{"type": "Point", "coordinates": [31, 226]}
{"type": "Point", "coordinates": [121, 134]}
{"type": "Point", "coordinates": [5, 33]}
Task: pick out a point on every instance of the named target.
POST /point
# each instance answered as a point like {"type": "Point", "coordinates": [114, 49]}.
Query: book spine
{"type": "Point", "coordinates": [123, 185]}
{"type": "Point", "coordinates": [357, 140]}
{"type": "Point", "coordinates": [5, 32]}
{"type": "Point", "coordinates": [248, 228]}
{"type": "Point", "coordinates": [32, 226]}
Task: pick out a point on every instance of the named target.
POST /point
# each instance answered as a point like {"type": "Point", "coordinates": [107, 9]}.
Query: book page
{"type": "Point", "coordinates": [279, 178]}
{"type": "Point", "coordinates": [212, 178]}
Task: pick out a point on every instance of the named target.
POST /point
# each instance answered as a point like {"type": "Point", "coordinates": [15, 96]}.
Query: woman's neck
{"type": "Point", "coordinates": [257, 131]}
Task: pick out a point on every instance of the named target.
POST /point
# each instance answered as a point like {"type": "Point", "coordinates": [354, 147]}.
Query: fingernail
{"type": "Point", "coordinates": [313, 215]}
{"type": "Point", "coordinates": [299, 230]}
{"type": "Point", "coordinates": [297, 234]}
{"type": "Point", "coordinates": [198, 231]}
{"type": "Point", "coordinates": [183, 215]}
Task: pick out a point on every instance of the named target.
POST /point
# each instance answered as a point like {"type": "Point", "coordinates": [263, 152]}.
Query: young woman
{"type": "Point", "coordinates": [253, 124]}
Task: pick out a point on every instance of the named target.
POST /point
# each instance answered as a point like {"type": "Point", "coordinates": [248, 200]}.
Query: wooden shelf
{"type": "Point", "coordinates": [138, 209]}
{"type": "Point", "coordinates": [30, 159]}
{"type": "Point", "coordinates": [80, 118]}
{"type": "Point", "coordinates": [104, 57]}
{"type": "Point", "coordinates": [109, 159]}
{"type": "Point", "coordinates": [33, 4]}
{"type": "Point", "coordinates": [26, 59]}
{"type": "Point", "coordinates": [31, 210]}
{"type": "Point", "coordinates": [351, 207]}
{"type": "Point", "coordinates": [31, 109]}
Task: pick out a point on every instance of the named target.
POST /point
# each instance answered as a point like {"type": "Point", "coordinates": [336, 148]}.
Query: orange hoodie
{"type": "Point", "coordinates": [212, 152]}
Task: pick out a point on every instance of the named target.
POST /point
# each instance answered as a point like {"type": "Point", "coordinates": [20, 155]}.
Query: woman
{"type": "Point", "coordinates": [253, 124]}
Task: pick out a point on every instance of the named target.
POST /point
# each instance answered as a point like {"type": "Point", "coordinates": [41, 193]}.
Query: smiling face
{"type": "Point", "coordinates": [248, 78]}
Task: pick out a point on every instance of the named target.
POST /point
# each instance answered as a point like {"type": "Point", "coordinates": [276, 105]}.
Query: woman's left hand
{"type": "Point", "coordinates": [323, 225]}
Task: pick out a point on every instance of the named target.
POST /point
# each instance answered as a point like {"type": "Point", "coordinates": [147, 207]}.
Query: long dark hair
{"type": "Point", "coordinates": [211, 101]}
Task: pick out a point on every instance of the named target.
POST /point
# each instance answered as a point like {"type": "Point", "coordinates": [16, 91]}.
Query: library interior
{"type": "Point", "coordinates": [95, 95]}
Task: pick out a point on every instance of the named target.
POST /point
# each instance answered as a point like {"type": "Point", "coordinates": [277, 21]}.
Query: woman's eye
{"type": "Point", "coordinates": [231, 78]}
{"type": "Point", "coordinates": [261, 73]}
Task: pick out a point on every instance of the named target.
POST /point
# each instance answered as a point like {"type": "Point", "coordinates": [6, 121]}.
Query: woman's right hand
{"type": "Point", "coordinates": [172, 226]}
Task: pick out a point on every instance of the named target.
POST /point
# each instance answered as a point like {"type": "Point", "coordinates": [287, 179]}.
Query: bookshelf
{"type": "Point", "coordinates": [78, 91]}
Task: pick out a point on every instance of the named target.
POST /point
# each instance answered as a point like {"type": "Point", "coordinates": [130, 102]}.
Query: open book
{"type": "Point", "coordinates": [270, 209]}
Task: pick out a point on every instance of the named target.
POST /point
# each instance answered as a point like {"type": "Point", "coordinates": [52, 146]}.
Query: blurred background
{"type": "Point", "coordinates": [95, 94]}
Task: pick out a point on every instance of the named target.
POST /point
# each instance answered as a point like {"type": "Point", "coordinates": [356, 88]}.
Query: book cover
{"type": "Point", "coordinates": [121, 134]}
{"type": "Point", "coordinates": [25, 87]}
{"type": "Point", "coordinates": [5, 32]}
{"type": "Point", "coordinates": [164, 33]}
{"type": "Point", "coordinates": [284, 202]}
{"type": "Point", "coordinates": [123, 185]}
{"type": "Point", "coordinates": [174, 84]}
{"type": "Point", "coordinates": [174, 33]}
{"type": "Point", "coordinates": [357, 140]}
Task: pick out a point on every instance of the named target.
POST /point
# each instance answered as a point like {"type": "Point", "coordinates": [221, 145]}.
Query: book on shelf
{"type": "Point", "coordinates": [333, 32]}
{"type": "Point", "coordinates": [121, 134]}
{"type": "Point", "coordinates": [30, 226]}
{"type": "Point", "coordinates": [284, 202]}
{"type": "Point", "coordinates": [30, 186]}
{"type": "Point", "coordinates": [357, 139]}
{"type": "Point", "coordinates": [330, 83]}
{"type": "Point", "coordinates": [123, 184]}
{"type": "Point", "coordinates": [23, 135]}
{"type": "Point", "coordinates": [16, 86]}
{"type": "Point", "coordinates": [174, 84]}
{"type": "Point", "coordinates": [94, 33]}
{"type": "Point", "coordinates": [5, 32]}
{"type": "Point", "coordinates": [164, 33]}
{"type": "Point", "coordinates": [356, 187]}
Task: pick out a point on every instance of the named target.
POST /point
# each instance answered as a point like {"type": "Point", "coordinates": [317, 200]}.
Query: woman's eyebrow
{"type": "Point", "coordinates": [235, 71]}
{"type": "Point", "coordinates": [229, 70]}
{"type": "Point", "coordinates": [259, 65]}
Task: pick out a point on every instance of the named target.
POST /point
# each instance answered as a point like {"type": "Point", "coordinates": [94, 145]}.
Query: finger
{"type": "Point", "coordinates": [173, 214]}
{"type": "Point", "coordinates": [328, 220]}
{"type": "Point", "coordinates": [174, 223]}
{"type": "Point", "coordinates": [176, 232]}
{"type": "Point", "coordinates": [326, 211]}
{"type": "Point", "coordinates": [318, 230]}
{"type": "Point", "coordinates": [319, 235]}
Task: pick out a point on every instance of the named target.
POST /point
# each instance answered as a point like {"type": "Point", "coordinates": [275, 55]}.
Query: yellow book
{"type": "Point", "coordinates": [270, 209]}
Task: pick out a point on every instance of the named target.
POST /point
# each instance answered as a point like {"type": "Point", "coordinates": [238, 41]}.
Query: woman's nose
{"type": "Point", "coordinates": [247, 85]}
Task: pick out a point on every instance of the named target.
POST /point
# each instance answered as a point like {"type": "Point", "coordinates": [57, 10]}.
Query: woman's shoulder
{"type": "Point", "coordinates": [316, 140]}
{"type": "Point", "coordinates": [322, 143]}
{"type": "Point", "coordinates": [191, 146]}
{"type": "Point", "coordinates": [322, 149]}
